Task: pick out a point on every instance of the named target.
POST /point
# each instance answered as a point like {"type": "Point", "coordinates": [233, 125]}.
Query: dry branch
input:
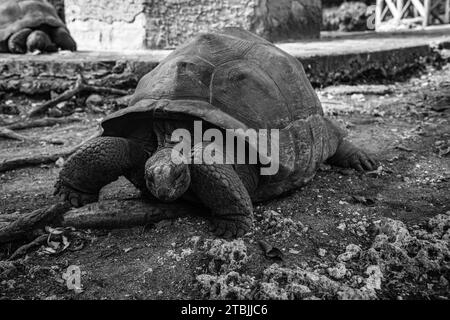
{"type": "Point", "coordinates": [111, 214]}
{"type": "Point", "coordinates": [21, 251]}
{"type": "Point", "coordinates": [33, 160]}
{"type": "Point", "coordinates": [44, 122]}
{"type": "Point", "coordinates": [29, 222]}
{"type": "Point", "coordinates": [80, 87]}
{"type": "Point", "coordinates": [108, 214]}
{"type": "Point", "coordinates": [10, 134]}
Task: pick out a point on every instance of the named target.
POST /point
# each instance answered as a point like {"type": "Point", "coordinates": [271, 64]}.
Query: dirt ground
{"type": "Point", "coordinates": [346, 235]}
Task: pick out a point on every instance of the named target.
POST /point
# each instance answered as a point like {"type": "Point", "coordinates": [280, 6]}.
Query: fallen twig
{"type": "Point", "coordinates": [21, 251]}
{"type": "Point", "coordinates": [19, 162]}
{"type": "Point", "coordinates": [10, 134]}
{"type": "Point", "coordinates": [80, 86]}
{"type": "Point", "coordinates": [44, 122]}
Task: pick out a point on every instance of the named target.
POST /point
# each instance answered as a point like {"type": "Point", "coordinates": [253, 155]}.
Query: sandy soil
{"type": "Point", "coordinates": [382, 235]}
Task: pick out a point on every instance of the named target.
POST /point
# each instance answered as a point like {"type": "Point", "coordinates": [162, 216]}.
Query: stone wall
{"type": "Point", "coordinates": [142, 24]}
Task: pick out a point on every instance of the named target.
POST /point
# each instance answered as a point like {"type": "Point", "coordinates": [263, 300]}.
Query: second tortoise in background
{"type": "Point", "coordinates": [30, 25]}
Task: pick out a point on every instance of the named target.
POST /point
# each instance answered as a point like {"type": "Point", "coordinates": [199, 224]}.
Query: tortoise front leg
{"type": "Point", "coordinates": [350, 156]}
{"type": "Point", "coordinates": [62, 39]}
{"type": "Point", "coordinates": [17, 42]}
{"type": "Point", "coordinates": [96, 164]}
{"type": "Point", "coordinates": [219, 188]}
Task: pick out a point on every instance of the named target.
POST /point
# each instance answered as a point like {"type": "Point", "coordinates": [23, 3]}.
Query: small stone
{"type": "Point", "coordinates": [55, 112]}
{"type": "Point", "coordinates": [443, 282]}
{"type": "Point", "coordinates": [322, 252]}
{"type": "Point", "coordinates": [338, 272]}
{"type": "Point", "coordinates": [94, 100]}
{"type": "Point", "coordinates": [351, 251]}
{"type": "Point", "coordinates": [60, 162]}
{"type": "Point", "coordinates": [342, 226]}
{"type": "Point", "coordinates": [374, 279]}
{"type": "Point", "coordinates": [357, 97]}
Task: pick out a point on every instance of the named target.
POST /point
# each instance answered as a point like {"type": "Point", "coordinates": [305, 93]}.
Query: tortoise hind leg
{"type": "Point", "coordinates": [17, 42]}
{"type": "Point", "coordinates": [349, 156]}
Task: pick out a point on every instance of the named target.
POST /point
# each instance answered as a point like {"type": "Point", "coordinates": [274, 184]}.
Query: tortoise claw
{"type": "Point", "coordinates": [361, 161]}
{"type": "Point", "coordinates": [74, 197]}
{"type": "Point", "coordinates": [228, 229]}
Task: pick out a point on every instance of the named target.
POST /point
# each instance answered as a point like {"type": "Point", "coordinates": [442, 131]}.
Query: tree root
{"type": "Point", "coordinates": [20, 162]}
{"type": "Point", "coordinates": [80, 87]}
{"type": "Point", "coordinates": [10, 134]}
{"type": "Point", "coordinates": [108, 214]}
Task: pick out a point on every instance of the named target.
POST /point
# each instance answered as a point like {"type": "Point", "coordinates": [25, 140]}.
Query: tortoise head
{"type": "Point", "coordinates": [166, 175]}
{"type": "Point", "coordinates": [39, 40]}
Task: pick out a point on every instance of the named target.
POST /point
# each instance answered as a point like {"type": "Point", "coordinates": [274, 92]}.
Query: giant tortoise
{"type": "Point", "coordinates": [30, 25]}
{"type": "Point", "coordinates": [231, 79]}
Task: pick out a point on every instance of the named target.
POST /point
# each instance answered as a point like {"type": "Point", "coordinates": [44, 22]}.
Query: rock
{"type": "Point", "coordinates": [272, 222]}
{"type": "Point", "coordinates": [287, 280]}
{"type": "Point", "coordinates": [338, 272]}
{"type": "Point", "coordinates": [226, 256]}
{"type": "Point", "coordinates": [322, 252]}
{"type": "Point", "coordinates": [94, 102]}
{"type": "Point", "coordinates": [351, 251]}
{"type": "Point", "coordinates": [395, 230]}
{"type": "Point", "coordinates": [232, 285]}
{"type": "Point", "coordinates": [374, 280]}
{"type": "Point", "coordinates": [55, 112]}
{"type": "Point", "coordinates": [140, 24]}
{"type": "Point", "coordinates": [414, 256]}
{"type": "Point", "coordinates": [60, 162]}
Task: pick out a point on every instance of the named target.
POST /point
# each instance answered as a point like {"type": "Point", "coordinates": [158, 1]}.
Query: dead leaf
{"type": "Point", "coordinates": [54, 231]}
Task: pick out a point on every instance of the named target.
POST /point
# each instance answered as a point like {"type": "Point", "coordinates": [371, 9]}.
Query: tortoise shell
{"type": "Point", "coordinates": [235, 79]}
{"type": "Point", "coordinates": [19, 14]}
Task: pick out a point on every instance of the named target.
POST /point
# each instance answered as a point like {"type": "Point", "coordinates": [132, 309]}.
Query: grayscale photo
{"type": "Point", "coordinates": [224, 154]}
